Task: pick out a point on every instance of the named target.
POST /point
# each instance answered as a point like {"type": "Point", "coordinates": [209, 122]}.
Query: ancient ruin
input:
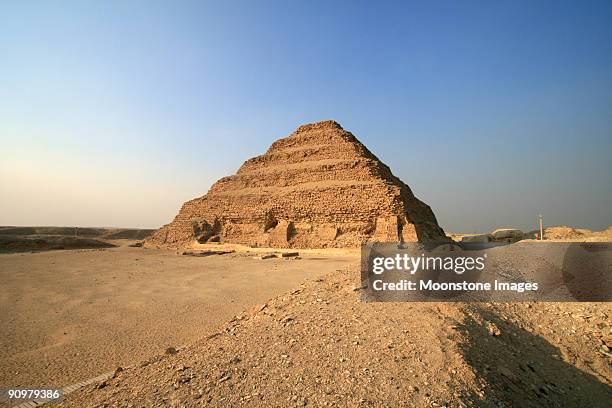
{"type": "Point", "coordinates": [319, 187]}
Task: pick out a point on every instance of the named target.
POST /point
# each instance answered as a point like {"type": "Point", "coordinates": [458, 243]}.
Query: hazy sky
{"type": "Point", "coordinates": [113, 113]}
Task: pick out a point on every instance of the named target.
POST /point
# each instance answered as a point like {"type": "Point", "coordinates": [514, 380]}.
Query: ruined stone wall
{"type": "Point", "coordinates": [318, 187]}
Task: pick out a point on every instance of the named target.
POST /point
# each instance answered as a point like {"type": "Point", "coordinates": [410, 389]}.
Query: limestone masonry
{"type": "Point", "coordinates": [319, 187]}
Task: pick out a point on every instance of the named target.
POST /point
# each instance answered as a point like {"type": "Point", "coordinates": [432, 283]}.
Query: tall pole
{"type": "Point", "coordinates": [541, 229]}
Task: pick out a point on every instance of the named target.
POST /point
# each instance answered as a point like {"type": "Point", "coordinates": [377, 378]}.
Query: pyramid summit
{"type": "Point", "coordinates": [319, 187]}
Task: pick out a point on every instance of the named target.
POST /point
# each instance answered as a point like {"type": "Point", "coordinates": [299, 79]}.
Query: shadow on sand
{"type": "Point", "coordinates": [522, 369]}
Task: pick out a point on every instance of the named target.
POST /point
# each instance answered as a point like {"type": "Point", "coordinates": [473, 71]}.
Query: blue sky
{"type": "Point", "coordinates": [114, 113]}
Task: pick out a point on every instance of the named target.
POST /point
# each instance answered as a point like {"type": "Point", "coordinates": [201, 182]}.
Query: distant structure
{"type": "Point", "coordinates": [319, 187]}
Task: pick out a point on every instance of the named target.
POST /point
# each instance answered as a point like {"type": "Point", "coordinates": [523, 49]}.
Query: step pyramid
{"type": "Point", "coordinates": [319, 187]}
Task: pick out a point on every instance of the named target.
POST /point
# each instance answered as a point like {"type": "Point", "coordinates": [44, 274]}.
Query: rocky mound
{"type": "Point", "coordinates": [318, 187]}
{"type": "Point", "coordinates": [564, 233]}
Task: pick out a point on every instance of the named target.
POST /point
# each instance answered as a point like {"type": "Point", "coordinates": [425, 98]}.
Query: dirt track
{"type": "Point", "coordinates": [71, 315]}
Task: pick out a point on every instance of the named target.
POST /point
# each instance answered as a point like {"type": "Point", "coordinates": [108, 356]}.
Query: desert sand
{"type": "Point", "coordinates": [319, 345]}
{"type": "Point", "coordinates": [28, 239]}
{"type": "Point", "coordinates": [71, 315]}
{"type": "Point", "coordinates": [282, 332]}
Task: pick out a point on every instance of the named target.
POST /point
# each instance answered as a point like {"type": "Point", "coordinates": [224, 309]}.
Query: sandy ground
{"type": "Point", "coordinates": [281, 332]}
{"type": "Point", "coordinates": [70, 315]}
{"type": "Point", "coordinates": [319, 345]}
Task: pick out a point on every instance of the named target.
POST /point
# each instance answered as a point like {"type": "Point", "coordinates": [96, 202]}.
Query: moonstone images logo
{"type": "Point", "coordinates": [486, 272]}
